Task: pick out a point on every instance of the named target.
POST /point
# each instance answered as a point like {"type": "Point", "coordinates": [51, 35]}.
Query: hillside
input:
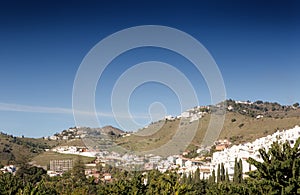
{"type": "Point", "coordinates": [79, 137]}
{"type": "Point", "coordinates": [244, 121]}
{"type": "Point", "coordinates": [15, 150]}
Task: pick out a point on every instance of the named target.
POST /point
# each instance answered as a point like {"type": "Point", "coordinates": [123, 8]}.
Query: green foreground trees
{"type": "Point", "coordinates": [280, 170]}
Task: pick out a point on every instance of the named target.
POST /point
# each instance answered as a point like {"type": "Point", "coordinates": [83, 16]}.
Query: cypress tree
{"type": "Point", "coordinates": [218, 174]}
{"type": "Point", "coordinates": [236, 170]}
{"type": "Point", "coordinates": [197, 176]}
{"type": "Point", "coordinates": [240, 171]}
{"type": "Point", "coordinates": [184, 178]}
{"type": "Point", "coordinates": [227, 176]}
{"type": "Point", "coordinates": [222, 177]}
{"type": "Point", "coordinates": [78, 171]}
{"type": "Point", "coordinates": [190, 179]}
{"type": "Point", "coordinates": [213, 177]}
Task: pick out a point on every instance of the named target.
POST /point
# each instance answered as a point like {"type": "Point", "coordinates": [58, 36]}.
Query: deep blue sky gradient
{"type": "Point", "coordinates": [42, 43]}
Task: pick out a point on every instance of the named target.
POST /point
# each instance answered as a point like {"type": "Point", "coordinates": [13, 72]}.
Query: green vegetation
{"type": "Point", "coordinates": [270, 109]}
{"type": "Point", "coordinates": [279, 173]}
{"type": "Point", "coordinates": [238, 171]}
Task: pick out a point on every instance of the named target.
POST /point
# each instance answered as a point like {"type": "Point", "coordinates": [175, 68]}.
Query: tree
{"type": "Point", "coordinates": [78, 171]}
{"type": "Point", "coordinates": [218, 174]}
{"type": "Point", "coordinates": [238, 171]}
{"type": "Point", "coordinates": [199, 188]}
{"type": "Point", "coordinates": [137, 185]}
{"type": "Point", "coordinates": [240, 175]}
{"type": "Point", "coordinates": [222, 174]}
{"type": "Point", "coordinates": [227, 177]}
{"type": "Point", "coordinates": [166, 183]}
{"type": "Point", "coordinates": [296, 105]}
{"type": "Point", "coordinates": [184, 178]}
{"type": "Point", "coordinates": [30, 174]}
{"type": "Point", "coordinates": [280, 169]}
{"type": "Point", "coordinates": [197, 176]}
{"type": "Point", "coordinates": [259, 102]}
{"type": "Point", "coordinates": [213, 177]}
{"type": "Point", "coordinates": [189, 179]}
{"type": "Point", "coordinates": [9, 184]}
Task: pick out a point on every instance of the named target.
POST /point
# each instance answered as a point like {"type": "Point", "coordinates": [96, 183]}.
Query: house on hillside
{"type": "Point", "coordinates": [8, 169]}
{"type": "Point", "coordinates": [107, 177]}
{"type": "Point", "coordinates": [169, 118]}
{"type": "Point", "coordinates": [222, 144]}
{"type": "Point", "coordinates": [179, 161]}
{"type": "Point", "coordinates": [204, 172]}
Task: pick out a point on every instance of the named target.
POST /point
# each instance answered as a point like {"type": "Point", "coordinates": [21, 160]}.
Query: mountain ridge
{"type": "Point", "coordinates": [244, 121]}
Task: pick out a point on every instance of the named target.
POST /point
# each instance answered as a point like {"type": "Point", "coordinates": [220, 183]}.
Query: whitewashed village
{"type": "Point", "coordinates": [227, 155]}
{"type": "Point", "coordinates": [224, 152]}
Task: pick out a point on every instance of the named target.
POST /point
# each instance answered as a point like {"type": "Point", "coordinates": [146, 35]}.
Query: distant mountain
{"type": "Point", "coordinates": [81, 132]}
{"type": "Point", "coordinates": [111, 130]}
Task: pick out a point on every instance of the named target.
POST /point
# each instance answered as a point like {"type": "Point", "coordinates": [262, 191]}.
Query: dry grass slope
{"type": "Point", "coordinates": [237, 127]}
{"type": "Point", "coordinates": [15, 150]}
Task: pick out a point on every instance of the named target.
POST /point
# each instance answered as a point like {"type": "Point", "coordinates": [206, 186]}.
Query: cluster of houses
{"type": "Point", "coordinates": [83, 151]}
{"type": "Point", "coordinates": [195, 113]}
{"type": "Point", "coordinates": [77, 133]}
{"type": "Point", "coordinates": [192, 114]}
{"type": "Point", "coordinates": [71, 133]}
{"type": "Point", "coordinates": [251, 149]}
{"type": "Point", "coordinates": [226, 154]}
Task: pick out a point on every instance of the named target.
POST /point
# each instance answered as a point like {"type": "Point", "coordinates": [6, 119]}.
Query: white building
{"type": "Point", "coordinates": [154, 159]}
{"type": "Point", "coordinates": [8, 169]}
{"type": "Point", "coordinates": [185, 114]}
{"type": "Point", "coordinates": [244, 151]}
{"type": "Point", "coordinates": [180, 162]}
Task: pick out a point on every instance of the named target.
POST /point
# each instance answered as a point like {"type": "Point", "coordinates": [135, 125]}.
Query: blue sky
{"type": "Point", "coordinates": [255, 44]}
